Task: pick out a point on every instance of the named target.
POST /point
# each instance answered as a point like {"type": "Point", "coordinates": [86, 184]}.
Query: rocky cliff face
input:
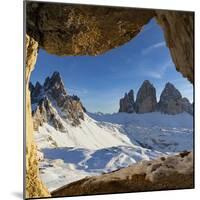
{"type": "Point", "coordinates": [171, 101]}
{"type": "Point", "coordinates": [52, 104]}
{"type": "Point", "coordinates": [45, 112]}
{"type": "Point", "coordinates": [34, 186]}
{"type": "Point", "coordinates": [146, 98]}
{"type": "Point", "coordinates": [127, 103]}
{"type": "Point", "coordinates": [66, 29]}
{"type": "Point", "coordinates": [187, 106]}
{"type": "Point", "coordinates": [178, 30]}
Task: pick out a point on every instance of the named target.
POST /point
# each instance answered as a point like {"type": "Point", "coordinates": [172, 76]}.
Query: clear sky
{"type": "Point", "coordinates": [100, 81]}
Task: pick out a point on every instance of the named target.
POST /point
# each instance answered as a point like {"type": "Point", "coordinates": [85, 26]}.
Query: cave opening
{"type": "Point", "coordinates": [49, 33]}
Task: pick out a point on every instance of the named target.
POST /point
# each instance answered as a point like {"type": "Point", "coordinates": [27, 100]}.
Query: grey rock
{"type": "Point", "coordinates": [146, 98]}
{"type": "Point", "coordinates": [187, 106]}
{"type": "Point", "coordinates": [170, 100]}
{"type": "Point", "coordinates": [54, 86]}
{"type": "Point", "coordinates": [127, 103]}
{"type": "Point", "coordinates": [53, 95]}
{"type": "Point", "coordinates": [46, 113]}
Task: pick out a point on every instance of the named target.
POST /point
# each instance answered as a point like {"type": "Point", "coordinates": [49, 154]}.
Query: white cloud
{"type": "Point", "coordinates": [155, 75]}
{"type": "Point", "coordinates": [159, 71]}
{"type": "Point", "coordinates": [152, 47]}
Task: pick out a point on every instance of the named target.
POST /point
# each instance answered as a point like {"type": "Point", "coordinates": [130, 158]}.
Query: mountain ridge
{"type": "Point", "coordinates": [171, 101]}
{"type": "Point", "coordinates": [52, 98]}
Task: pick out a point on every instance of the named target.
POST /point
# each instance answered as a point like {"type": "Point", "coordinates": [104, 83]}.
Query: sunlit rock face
{"type": "Point", "coordinates": [34, 186]}
{"type": "Point", "coordinates": [66, 29]}
{"type": "Point", "coordinates": [146, 98]}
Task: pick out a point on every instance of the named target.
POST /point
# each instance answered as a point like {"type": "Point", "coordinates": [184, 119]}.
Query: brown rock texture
{"type": "Point", "coordinates": [66, 29]}
{"type": "Point", "coordinates": [34, 186]}
{"type": "Point", "coordinates": [173, 172]}
{"type": "Point", "coordinates": [178, 29]}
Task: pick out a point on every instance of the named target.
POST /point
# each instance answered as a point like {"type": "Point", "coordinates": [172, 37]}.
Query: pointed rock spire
{"type": "Point", "coordinates": [53, 95]}
{"type": "Point", "coordinates": [146, 98]}
{"type": "Point", "coordinates": [170, 100]}
{"type": "Point", "coordinates": [54, 82]}
{"type": "Point", "coordinates": [54, 86]}
{"type": "Point", "coordinates": [127, 103]}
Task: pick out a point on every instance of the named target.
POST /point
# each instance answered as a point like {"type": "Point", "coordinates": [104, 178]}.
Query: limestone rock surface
{"type": "Point", "coordinates": [65, 29]}
{"type": "Point", "coordinates": [178, 30]}
{"type": "Point", "coordinates": [146, 98]}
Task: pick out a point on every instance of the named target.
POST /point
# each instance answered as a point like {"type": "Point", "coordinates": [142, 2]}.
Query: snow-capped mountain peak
{"type": "Point", "coordinates": [51, 104]}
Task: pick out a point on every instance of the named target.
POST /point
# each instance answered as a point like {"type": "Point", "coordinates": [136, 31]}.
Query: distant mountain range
{"type": "Point", "coordinates": [171, 101]}
{"type": "Point", "coordinates": [73, 143]}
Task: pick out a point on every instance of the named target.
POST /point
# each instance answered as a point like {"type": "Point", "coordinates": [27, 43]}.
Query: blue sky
{"type": "Point", "coordinates": [100, 81]}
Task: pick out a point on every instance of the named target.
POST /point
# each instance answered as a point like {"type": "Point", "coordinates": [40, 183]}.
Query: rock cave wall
{"type": "Point", "coordinates": [63, 29]}
{"type": "Point", "coordinates": [34, 186]}
{"type": "Point", "coordinates": [178, 30]}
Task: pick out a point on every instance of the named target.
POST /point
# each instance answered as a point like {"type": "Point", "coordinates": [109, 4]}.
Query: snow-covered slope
{"type": "Point", "coordinates": [73, 144]}
{"type": "Point", "coordinates": [161, 132]}
{"type": "Point", "coordinates": [65, 165]}
{"type": "Point", "coordinates": [103, 143]}
{"type": "Point", "coordinates": [89, 134]}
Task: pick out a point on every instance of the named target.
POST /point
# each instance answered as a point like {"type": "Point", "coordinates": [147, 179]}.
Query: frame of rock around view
{"type": "Point", "coordinates": [147, 144]}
